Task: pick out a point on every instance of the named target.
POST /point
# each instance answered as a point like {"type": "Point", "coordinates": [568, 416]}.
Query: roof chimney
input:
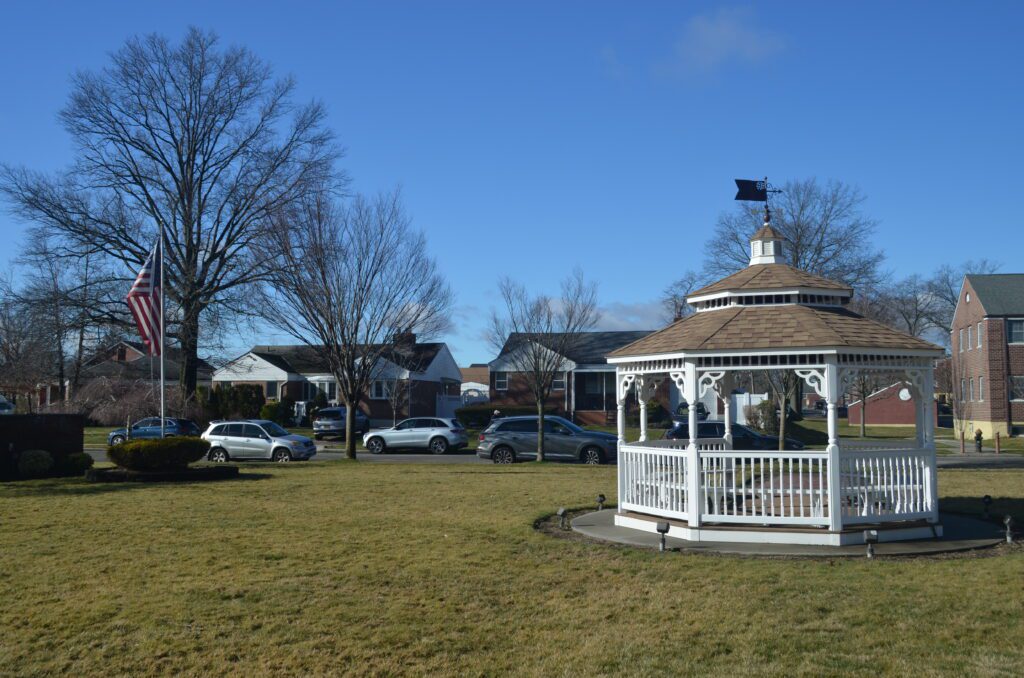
{"type": "Point", "coordinates": [406, 339]}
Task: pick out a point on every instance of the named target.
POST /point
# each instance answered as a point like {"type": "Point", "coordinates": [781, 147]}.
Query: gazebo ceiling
{"type": "Point", "coordinates": [763, 277]}
{"type": "Point", "coordinates": [788, 326]}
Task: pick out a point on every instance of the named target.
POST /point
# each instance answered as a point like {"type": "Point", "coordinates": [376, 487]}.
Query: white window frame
{"type": "Point", "coordinates": [963, 389]}
{"type": "Point", "coordinates": [556, 381]}
{"type": "Point", "coordinates": [981, 389]}
{"type": "Point", "coordinates": [960, 344]}
{"type": "Point", "coordinates": [501, 381]}
{"type": "Point", "coordinates": [1009, 333]}
{"type": "Point", "coordinates": [380, 389]}
{"type": "Point", "coordinates": [971, 392]}
{"type": "Point", "coordinates": [277, 390]}
{"type": "Point", "coordinates": [970, 337]}
{"type": "Point", "coordinates": [979, 334]}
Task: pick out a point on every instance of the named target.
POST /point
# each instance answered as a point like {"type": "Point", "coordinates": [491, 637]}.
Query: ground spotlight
{"type": "Point", "coordinates": [871, 538]}
{"type": "Point", "coordinates": [1008, 521]}
{"type": "Point", "coordinates": [600, 502]}
{"type": "Point", "coordinates": [662, 530]}
{"type": "Point", "coordinates": [986, 502]}
{"type": "Point", "coordinates": [561, 517]}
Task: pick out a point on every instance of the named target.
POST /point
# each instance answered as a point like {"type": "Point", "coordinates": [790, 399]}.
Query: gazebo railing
{"type": "Point", "coordinates": [776, 488]}
{"type": "Point", "coordinates": [866, 444]}
{"type": "Point", "coordinates": [880, 485]}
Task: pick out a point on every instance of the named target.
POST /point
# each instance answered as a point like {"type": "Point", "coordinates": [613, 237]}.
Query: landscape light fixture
{"type": "Point", "coordinates": [871, 538]}
{"type": "Point", "coordinates": [662, 530]}
{"type": "Point", "coordinates": [986, 502]}
{"type": "Point", "coordinates": [600, 502]}
{"type": "Point", "coordinates": [1008, 521]}
{"type": "Point", "coordinates": [561, 516]}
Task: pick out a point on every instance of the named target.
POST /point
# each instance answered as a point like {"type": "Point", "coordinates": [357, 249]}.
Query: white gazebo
{"type": "Point", "coordinates": [771, 316]}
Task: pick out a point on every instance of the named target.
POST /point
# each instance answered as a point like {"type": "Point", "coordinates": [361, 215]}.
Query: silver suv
{"type": "Point", "coordinates": [512, 439]}
{"type": "Point", "coordinates": [255, 439]}
{"type": "Point", "coordinates": [432, 433]}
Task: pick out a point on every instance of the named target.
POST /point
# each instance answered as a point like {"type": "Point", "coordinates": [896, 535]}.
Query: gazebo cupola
{"type": "Point", "coordinates": [766, 246]}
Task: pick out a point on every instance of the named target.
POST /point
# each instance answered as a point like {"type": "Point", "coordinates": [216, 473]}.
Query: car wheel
{"type": "Point", "coordinates": [375, 445]}
{"type": "Point", "coordinates": [282, 455]}
{"type": "Point", "coordinates": [503, 455]}
{"type": "Point", "coordinates": [592, 456]}
{"type": "Point", "coordinates": [219, 456]}
{"type": "Point", "coordinates": [439, 445]}
{"type": "Point", "coordinates": [117, 440]}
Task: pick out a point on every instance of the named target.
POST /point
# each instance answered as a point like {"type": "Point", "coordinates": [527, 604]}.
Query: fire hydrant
{"type": "Point", "coordinates": [977, 441]}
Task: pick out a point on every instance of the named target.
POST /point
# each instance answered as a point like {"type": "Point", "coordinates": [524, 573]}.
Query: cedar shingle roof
{"type": "Point", "coordinates": [770, 276]}
{"type": "Point", "coordinates": [760, 327]}
{"type": "Point", "coordinates": [766, 231]}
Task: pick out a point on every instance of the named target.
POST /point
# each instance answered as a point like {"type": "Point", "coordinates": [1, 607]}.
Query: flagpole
{"type": "Point", "coordinates": [163, 390]}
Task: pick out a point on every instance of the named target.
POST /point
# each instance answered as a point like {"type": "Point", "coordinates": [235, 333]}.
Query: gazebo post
{"type": "Point", "coordinates": [642, 398]}
{"type": "Point", "coordinates": [690, 389]}
{"type": "Point", "coordinates": [725, 394]}
{"type": "Point", "coordinates": [835, 515]}
{"type": "Point", "coordinates": [928, 398]}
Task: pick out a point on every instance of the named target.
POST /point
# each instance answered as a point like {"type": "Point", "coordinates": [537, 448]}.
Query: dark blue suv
{"type": "Point", "coordinates": [150, 428]}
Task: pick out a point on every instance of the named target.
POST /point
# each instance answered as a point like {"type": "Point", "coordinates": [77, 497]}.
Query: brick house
{"type": "Point", "coordinates": [425, 373]}
{"type": "Point", "coordinates": [889, 406]}
{"type": "Point", "coordinates": [584, 390]}
{"type": "Point", "coordinates": [987, 367]}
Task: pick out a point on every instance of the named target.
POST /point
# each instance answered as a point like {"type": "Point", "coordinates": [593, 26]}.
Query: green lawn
{"type": "Point", "coordinates": [341, 567]}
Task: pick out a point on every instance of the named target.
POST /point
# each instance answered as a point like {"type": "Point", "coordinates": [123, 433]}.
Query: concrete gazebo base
{"type": "Point", "coordinates": [959, 533]}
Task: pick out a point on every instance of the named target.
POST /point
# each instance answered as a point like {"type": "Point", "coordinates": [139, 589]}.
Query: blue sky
{"type": "Point", "coordinates": [532, 137]}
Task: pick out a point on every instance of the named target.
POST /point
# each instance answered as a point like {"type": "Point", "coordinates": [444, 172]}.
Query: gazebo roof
{"type": "Point", "coordinates": [768, 277]}
{"type": "Point", "coordinates": [766, 232]}
{"type": "Point", "coordinates": [772, 327]}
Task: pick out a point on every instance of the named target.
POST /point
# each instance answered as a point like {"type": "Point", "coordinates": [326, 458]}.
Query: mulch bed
{"type": "Point", "coordinates": [192, 474]}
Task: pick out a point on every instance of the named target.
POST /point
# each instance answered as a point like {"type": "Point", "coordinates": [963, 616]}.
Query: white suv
{"type": "Point", "coordinates": [255, 439]}
{"type": "Point", "coordinates": [432, 433]}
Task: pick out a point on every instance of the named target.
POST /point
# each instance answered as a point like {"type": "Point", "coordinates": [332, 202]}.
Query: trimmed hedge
{"type": "Point", "coordinates": [34, 463]}
{"type": "Point", "coordinates": [158, 455]}
{"type": "Point", "coordinates": [74, 464]}
{"type": "Point", "coordinates": [479, 415]}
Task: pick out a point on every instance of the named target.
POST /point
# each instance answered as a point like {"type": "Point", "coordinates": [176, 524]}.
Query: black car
{"type": "Point", "coordinates": [683, 412]}
{"type": "Point", "coordinates": [743, 438]}
{"type": "Point", "coordinates": [330, 421]}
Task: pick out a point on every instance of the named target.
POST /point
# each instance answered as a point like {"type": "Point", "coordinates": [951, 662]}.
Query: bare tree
{"type": "Point", "coordinates": [348, 279]}
{"type": "Point", "coordinates": [674, 296]}
{"type": "Point", "coordinates": [914, 306]}
{"type": "Point", "coordinates": [398, 392]}
{"type": "Point", "coordinates": [944, 288]}
{"type": "Point", "coordinates": [198, 140]}
{"type": "Point", "coordinates": [26, 355]}
{"type": "Point", "coordinates": [783, 385]}
{"type": "Point", "coordinates": [826, 231]}
{"type": "Point", "coordinates": [535, 333]}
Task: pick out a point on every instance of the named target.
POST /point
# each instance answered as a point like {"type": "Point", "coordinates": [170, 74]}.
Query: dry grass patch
{"type": "Point", "coordinates": [329, 568]}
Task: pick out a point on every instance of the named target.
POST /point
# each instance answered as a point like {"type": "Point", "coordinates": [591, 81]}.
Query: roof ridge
{"type": "Point", "coordinates": [738, 309]}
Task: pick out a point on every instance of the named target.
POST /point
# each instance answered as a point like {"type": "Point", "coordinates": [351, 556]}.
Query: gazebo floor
{"type": "Point", "coordinates": [956, 533]}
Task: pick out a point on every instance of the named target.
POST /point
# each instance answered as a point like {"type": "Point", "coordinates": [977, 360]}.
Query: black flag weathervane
{"type": "Point", "coordinates": [756, 190]}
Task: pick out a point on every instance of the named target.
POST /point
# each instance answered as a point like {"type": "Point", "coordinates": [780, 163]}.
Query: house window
{"type": "Point", "coordinates": [380, 389]}
{"type": "Point", "coordinates": [271, 389]}
{"type": "Point", "coordinates": [963, 389]}
{"type": "Point", "coordinates": [981, 389]}
{"type": "Point", "coordinates": [969, 340]}
{"type": "Point", "coordinates": [501, 381]}
{"type": "Point", "coordinates": [558, 383]}
{"type": "Point", "coordinates": [979, 335]}
{"type": "Point", "coordinates": [971, 392]}
{"type": "Point", "coordinates": [1015, 331]}
{"type": "Point", "coordinates": [1016, 388]}
{"type": "Point", "coordinates": [961, 342]}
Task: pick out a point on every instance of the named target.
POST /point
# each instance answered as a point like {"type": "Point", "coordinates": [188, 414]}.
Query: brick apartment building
{"type": "Point", "coordinates": [987, 367]}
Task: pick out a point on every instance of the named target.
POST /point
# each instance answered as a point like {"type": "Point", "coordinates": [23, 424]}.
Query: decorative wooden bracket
{"type": "Point", "coordinates": [710, 380]}
{"type": "Point", "coordinates": [816, 380]}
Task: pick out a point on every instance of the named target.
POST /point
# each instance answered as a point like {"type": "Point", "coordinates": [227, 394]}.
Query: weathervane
{"type": "Point", "coordinates": [756, 191]}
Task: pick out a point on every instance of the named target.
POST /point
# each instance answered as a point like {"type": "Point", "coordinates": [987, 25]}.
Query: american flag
{"type": "Point", "coordinates": [144, 301]}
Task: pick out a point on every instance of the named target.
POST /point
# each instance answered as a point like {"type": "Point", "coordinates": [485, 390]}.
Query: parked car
{"type": "Point", "coordinates": [430, 433]}
{"type": "Point", "coordinates": [683, 412]}
{"type": "Point", "coordinates": [150, 428]}
{"type": "Point", "coordinates": [6, 406]}
{"type": "Point", "coordinates": [256, 439]}
{"type": "Point", "coordinates": [743, 438]}
{"type": "Point", "coordinates": [330, 421]}
{"type": "Point", "coordinates": [513, 439]}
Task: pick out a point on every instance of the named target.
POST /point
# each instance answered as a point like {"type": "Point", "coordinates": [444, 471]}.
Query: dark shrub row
{"type": "Point", "coordinates": [479, 415]}
{"type": "Point", "coordinates": [158, 455]}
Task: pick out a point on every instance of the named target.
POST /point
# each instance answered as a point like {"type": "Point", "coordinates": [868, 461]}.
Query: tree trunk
{"type": "Point", "coordinates": [350, 420]}
{"type": "Point", "coordinates": [863, 415]}
{"type": "Point", "coordinates": [540, 430]}
{"type": "Point", "coordinates": [188, 338]}
{"type": "Point", "coordinates": [783, 404]}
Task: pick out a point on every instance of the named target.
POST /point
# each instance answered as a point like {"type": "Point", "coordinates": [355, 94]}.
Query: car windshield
{"type": "Point", "coordinates": [274, 430]}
